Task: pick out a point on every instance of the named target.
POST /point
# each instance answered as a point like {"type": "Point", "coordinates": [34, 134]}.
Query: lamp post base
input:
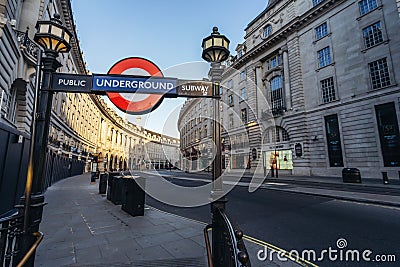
{"type": "Point", "coordinates": [31, 225]}
{"type": "Point", "coordinates": [218, 234]}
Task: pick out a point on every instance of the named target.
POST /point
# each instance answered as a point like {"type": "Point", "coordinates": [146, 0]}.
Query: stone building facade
{"type": "Point", "coordinates": [317, 81]}
{"type": "Point", "coordinates": [82, 125]}
{"type": "Point", "coordinates": [195, 130]}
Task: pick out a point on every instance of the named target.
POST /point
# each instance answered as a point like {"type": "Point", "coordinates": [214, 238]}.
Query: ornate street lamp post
{"type": "Point", "coordinates": [54, 38]}
{"type": "Point", "coordinates": [215, 50]}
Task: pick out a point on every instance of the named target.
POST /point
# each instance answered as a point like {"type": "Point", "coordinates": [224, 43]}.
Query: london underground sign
{"type": "Point", "coordinates": [137, 107]}
{"type": "Point", "coordinates": [156, 87]}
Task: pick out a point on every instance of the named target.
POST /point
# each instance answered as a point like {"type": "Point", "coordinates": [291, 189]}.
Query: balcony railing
{"type": "Point", "coordinates": [31, 47]}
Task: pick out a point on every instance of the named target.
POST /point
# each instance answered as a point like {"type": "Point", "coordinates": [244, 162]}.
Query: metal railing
{"type": "Point", "coordinates": [31, 47]}
{"type": "Point", "coordinates": [236, 254]}
{"type": "Point", "coordinates": [11, 229]}
{"type": "Point", "coordinates": [32, 250]}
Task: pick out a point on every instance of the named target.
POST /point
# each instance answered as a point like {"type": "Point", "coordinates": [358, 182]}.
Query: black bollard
{"type": "Point", "coordinates": [385, 178]}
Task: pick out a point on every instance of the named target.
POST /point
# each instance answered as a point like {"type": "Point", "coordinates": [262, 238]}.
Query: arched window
{"type": "Point", "coordinates": [275, 135]}
{"type": "Point", "coordinates": [267, 31]}
{"type": "Point", "coordinates": [276, 92]}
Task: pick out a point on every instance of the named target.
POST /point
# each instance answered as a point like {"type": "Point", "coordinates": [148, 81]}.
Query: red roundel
{"type": "Point", "coordinates": [135, 107]}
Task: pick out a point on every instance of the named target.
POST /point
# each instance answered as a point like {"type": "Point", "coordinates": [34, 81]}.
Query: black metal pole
{"type": "Point", "coordinates": [217, 194]}
{"type": "Point", "coordinates": [33, 201]}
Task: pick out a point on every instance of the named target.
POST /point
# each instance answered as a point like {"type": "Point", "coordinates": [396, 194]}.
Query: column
{"type": "Point", "coordinates": [262, 103]}
{"type": "Point", "coordinates": [286, 76]}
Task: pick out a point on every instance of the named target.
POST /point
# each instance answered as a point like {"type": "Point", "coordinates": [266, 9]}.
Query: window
{"type": "Point", "coordinates": [316, 2]}
{"type": "Point", "coordinates": [230, 84]}
{"type": "Point", "coordinates": [243, 75]}
{"type": "Point", "coordinates": [274, 62]}
{"type": "Point", "coordinates": [230, 121]}
{"type": "Point", "coordinates": [388, 134]}
{"type": "Point", "coordinates": [267, 31]}
{"type": "Point", "coordinates": [243, 93]}
{"type": "Point", "coordinates": [230, 100]}
{"type": "Point", "coordinates": [328, 90]}
{"type": "Point", "coordinates": [379, 73]}
{"type": "Point", "coordinates": [321, 31]}
{"type": "Point", "coordinates": [240, 53]}
{"type": "Point", "coordinates": [333, 139]}
{"type": "Point", "coordinates": [10, 103]}
{"type": "Point", "coordinates": [373, 34]}
{"type": "Point", "coordinates": [324, 57]}
{"type": "Point", "coordinates": [243, 113]}
{"type": "Point", "coordinates": [220, 90]}
{"type": "Point", "coordinates": [276, 92]}
{"type": "Point", "coordinates": [367, 6]}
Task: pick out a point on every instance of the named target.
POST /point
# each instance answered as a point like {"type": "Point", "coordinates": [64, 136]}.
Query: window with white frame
{"type": "Point", "coordinates": [243, 93]}
{"type": "Point", "coordinates": [367, 6]}
{"type": "Point", "coordinates": [243, 113]}
{"type": "Point", "coordinates": [274, 62]}
{"type": "Point", "coordinates": [231, 124]}
{"type": "Point", "coordinates": [373, 34]}
{"type": "Point", "coordinates": [243, 75]}
{"type": "Point", "coordinates": [321, 31]}
{"type": "Point", "coordinates": [324, 57]}
{"type": "Point", "coordinates": [267, 31]}
{"type": "Point", "coordinates": [276, 92]}
{"type": "Point", "coordinates": [328, 90]}
{"type": "Point", "coordinates": [230, 100]}
{"type": "Point", "coordinates": [230, 84]}
{"type": "Point", "coordinates": [379, 73]}
{"type": "Point", "coordinates": [316, 2]}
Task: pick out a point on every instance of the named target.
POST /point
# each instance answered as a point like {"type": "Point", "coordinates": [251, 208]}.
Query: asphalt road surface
{"type": "Point", "coordinates": [303, 222]}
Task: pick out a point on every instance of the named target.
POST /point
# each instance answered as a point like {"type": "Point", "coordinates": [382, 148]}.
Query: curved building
{"type": "Point", "coordinates": [83, 126]}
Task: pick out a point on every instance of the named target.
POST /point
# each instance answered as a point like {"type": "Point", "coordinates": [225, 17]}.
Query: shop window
{"type": "Point", "coordinates": [333, 139]}
{"type": "Point", "coordinates": [388, 134]}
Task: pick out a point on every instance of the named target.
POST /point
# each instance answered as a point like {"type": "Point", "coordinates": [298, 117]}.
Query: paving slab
{"type": "Point", "coordinates": [82, 228]}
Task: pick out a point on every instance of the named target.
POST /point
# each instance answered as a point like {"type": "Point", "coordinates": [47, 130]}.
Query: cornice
{"type": "Point", "coordinates": [294, 25]}
{"type": "Point", "coordinates": [76, 51]}
{"type": "Point", "coordinates": [116, 120]}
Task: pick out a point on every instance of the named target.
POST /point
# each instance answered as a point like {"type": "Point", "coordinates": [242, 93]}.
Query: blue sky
{"type": "Point", "coordinates": [169, 33]}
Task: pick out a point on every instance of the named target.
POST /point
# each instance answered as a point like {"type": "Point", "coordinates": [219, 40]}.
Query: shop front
{"type": "Point", "coordinates": [278, 157]}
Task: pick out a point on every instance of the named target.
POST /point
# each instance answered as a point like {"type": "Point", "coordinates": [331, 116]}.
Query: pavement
{"type": "Point", "coordinates": [371, 190]}
{"type": "Point", "coordinates": [82, 228]}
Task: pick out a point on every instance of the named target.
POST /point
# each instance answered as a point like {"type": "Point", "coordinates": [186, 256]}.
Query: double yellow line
{"type": "Point", "coordinates": [281, 251]}
{"type": "Point", "coordinates": [256, 241]}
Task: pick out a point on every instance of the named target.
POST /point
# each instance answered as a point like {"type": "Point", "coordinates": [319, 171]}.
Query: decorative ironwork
{"type": "Point", "coordinates": [30, 47]}
{"type": "Point", "coordinates": [278, 111]}
{"type": "Point", "coordinates": [11, 229]}
{"type": "Point", "coordinates": [235, 252]}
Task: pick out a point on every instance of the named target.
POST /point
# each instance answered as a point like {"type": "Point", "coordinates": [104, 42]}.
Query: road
{"type": "Point", "coordinates": [298, 222]}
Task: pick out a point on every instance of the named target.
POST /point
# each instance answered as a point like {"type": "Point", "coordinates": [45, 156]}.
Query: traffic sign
{"type": "Point", "coordinates": [134, 84]}
{"type": "Point", "coordinates": [188, 88]}
{"type": "Point", "coordinates": [128, 105]}
{"type": "Point", "coordinates": [115, 84]}
{"type": "Point", "coordinates": [72, 83]}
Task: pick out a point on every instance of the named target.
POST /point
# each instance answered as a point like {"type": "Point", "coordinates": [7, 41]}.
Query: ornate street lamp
{"type": "Point", "coordinates": [215, 50]}
{"type": "Point", "coordinates": [54, 38]}
{"type": "Point", "coordinates": [215, 47]}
